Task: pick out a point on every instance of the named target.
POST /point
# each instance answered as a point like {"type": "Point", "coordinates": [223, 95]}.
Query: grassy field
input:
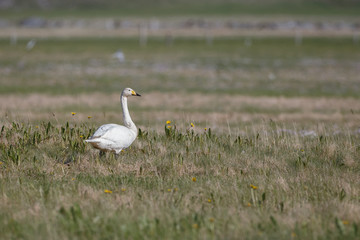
{"type": "Point", "coordinates": [176, 184]}
{"type": "Point", "coordinates": [273, 154]}
{"type": "Point", "coordinates": [161, 8]}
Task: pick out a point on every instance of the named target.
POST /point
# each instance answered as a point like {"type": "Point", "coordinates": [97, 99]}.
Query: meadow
{"type": "Point", "coordinates": [263, 139]}
{"type": "Point", "coordinates": [98, 8]}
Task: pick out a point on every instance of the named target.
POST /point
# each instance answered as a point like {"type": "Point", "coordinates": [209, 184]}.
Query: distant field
{"type": "Point", "coordinates": [181, 8]}
{"type": "Point", "coordinates": [273, 154]}
{"type": "Point", "coordinates": [274, 66]}
{"type": "Point", "coordinates": [83, 73]}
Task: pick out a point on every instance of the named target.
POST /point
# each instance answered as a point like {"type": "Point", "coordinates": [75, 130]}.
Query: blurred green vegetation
{"type": "Point", "coordinates": [95, 8]}
{"type": "Point", "coordinates": [270, 66]}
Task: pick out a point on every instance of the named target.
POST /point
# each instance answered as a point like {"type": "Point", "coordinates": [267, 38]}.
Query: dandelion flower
{"type": "Point", "coordinates": [107, 191]}
{"type": "Point", "coordinates": [253, 187]}
{"type": "Point", "coordinates": [209, 200]}
{"type": "Point", "coordinates": [175, 189]}
{"type": "Point", "coordinates": [196, 226]}
{"type": "Point", "coordinates": [169, 189]}
{"type": "Point", "coordinates": [168, 122]}
{"type": "Point", "coordinates": [205, 129]}
{"type": "Point", "coordinates": [73, 113]}
{"type": "Point", "coordinates": [168, 126]}
{"type": "Point", "coordinates": [81, 136]}
{"type": "Point", "coordinates": [123, 189]}
{"type": "Point", "coordinates": [248, 204]}
{"type": "Point", "coordinates": [194, 179]}
{"type": "Point", "coordinates": [192, 125]}
{"type": "Point", "coordinates": [73, 179]}
{"type": "Point", "coordinates": [1, 163]}
{"type": "Point", "coordinates": [89, 117]}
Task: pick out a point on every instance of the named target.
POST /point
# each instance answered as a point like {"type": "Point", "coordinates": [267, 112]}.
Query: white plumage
{"type": "Point", "coordinates": [31, 44]}
{"type": "Point", "coordinates": [119, 55]}
{"type": "Point", "coordinates": [114, 137]}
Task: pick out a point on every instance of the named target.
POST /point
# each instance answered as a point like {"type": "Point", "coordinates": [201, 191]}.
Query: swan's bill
{"type": "Point", "coordinates": [135, 94]}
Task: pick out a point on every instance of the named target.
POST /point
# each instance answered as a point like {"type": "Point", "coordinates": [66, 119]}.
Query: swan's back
{"type": "Point", "coordinates": [101, 131]}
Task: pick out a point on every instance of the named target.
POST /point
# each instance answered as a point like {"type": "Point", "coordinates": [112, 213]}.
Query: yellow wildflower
{"type": "Point", "coordinates": [253, 187]}
{"type": "Point", "coordinates": [175, 189]}
{"type": "Point", "coordinates": [194, 179]}
{"type": "Point", "coordinates": [205, 129]}
{"type": "Point", "coordinates": [195, 226]}
{"type": "Point", "coordinates": [168, 122]}
{"type": "Point", "coordinates": [345, 222]}
{"type": "Point", "coordinates": [73, 113]}
{"type": "Point", "coordinates": [169, 190]}
{"type": "Point", "coordinates": [168, 126]}
{"type": "Point", "coordinates": [89, 117]}
{"type": "Point", "coordinates": [81, 136]}
{"type": "Point", "coordinates": [123, 189]}
{"type": "Point", "coordinates": [107, 191]}
{"type": "Point", "coordinates": [72, 179]}
{"type": "Point", "coordinates": [209, 200]}
{"type": "Point", "coordinates": [192, 125]}
{"type": "Point", "coordinates": [248, 204]}
{"type": "Point", "coordinates": [211, 219]}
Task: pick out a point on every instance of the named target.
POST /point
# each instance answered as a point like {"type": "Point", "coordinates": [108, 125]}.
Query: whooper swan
{"type": "Point", "coordinates": [114, 137]}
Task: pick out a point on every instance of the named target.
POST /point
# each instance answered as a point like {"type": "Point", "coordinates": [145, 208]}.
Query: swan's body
{"type": "Point", "coordinates": [114, 137]}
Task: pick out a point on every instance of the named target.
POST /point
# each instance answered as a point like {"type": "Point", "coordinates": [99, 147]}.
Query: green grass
{"type": "Point", "coordinates": [185, 8]}
{"type": "Point", "coordinates": [306, 187]}
{"type": "Point", "coordinates": [76, 66]}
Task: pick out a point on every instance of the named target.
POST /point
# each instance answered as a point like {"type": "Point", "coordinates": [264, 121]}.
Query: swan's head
{"type": "Point", "coordinates": [129, 92]}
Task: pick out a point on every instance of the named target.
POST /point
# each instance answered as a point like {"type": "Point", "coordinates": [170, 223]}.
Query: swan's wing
{"type": "Point", "coordinates": [102, 130]}
{"type": "Point", "coordinates": [113, 135]}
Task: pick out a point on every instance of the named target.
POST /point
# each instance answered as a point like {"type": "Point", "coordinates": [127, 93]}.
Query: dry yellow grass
{"type": "Point", "coordinates": [211, 110]}
{"type": "Point", "coordinates": [192, 32]}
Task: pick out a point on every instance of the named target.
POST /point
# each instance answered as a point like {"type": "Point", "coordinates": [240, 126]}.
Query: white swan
{"type": "Point", "coordinates": [114, 137]}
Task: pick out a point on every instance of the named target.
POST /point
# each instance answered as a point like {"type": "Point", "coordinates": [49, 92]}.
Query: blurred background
{"type": "Point", "coordinates": [218, 63]}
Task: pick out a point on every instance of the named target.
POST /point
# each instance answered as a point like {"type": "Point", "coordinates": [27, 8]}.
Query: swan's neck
{"type": "Point", "coordinates": [127, 119]}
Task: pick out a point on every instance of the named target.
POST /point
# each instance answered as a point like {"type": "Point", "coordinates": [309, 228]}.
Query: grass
{"type": "Point", "coordinates": [179, 183]}
{"type": "Point", "coordinates": [183, 8]}
{"type": "Point", "coordinates": [279, 158]}
{"type": "Point", "coordinates": [75, 66]}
